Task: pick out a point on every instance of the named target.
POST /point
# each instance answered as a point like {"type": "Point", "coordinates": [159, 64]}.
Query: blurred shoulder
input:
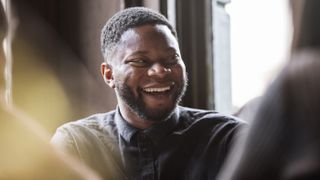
{"type": "Point", "coordinates": [87, 130]}
{"type": "Point", "coordinates": [95, 121]}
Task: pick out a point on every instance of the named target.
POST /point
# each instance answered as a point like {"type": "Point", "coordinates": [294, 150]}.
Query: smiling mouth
{"type": "Point", "coordinates": [158, 90]}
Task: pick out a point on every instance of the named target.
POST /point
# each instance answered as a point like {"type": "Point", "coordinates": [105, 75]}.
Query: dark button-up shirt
{"type": "Point", "coordinates": [192, 144]}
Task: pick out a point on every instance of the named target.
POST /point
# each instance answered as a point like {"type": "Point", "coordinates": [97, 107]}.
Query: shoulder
{"type": "Point", "coordinates": [91, 128]}
{"type": "Point", "coordinates": [209, 128]}
{"type": "Point", "coordinates": [193, 115]}
{"type": "Point", "coordinates": [204, 119]}
{"type": "Point", "coordinates": [94, 122]}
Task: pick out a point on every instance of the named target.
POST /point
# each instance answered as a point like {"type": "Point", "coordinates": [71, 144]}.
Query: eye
{"type": "Point", "coordinates": [138, 63]}
{"type": "Point", "coordinates": [176, 57]}
{"type": "Point", "coordinates": [173, 60]}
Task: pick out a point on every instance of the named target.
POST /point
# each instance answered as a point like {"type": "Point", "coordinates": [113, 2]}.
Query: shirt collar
{"type": "Point", "coordinates": [124, 128]}
{"type": "Point", "coordinates": [156, 133]}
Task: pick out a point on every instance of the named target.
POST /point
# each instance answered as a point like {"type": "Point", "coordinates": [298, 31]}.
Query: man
{"type": "Point", "coordinates": [148, 136]}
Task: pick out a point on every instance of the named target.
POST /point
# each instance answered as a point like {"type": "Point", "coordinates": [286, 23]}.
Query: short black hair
{"type": "Point", "coordinates": [126, 19]}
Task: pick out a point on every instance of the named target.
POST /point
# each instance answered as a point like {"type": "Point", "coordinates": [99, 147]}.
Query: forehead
{"type": "Point", "coordinates": [148, 36]}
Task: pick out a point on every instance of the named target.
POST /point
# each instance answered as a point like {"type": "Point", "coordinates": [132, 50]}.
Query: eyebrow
{"type": "Point", "coordinates": [139, 53]}
{"type": "Point", "coordinates": [142, 52]}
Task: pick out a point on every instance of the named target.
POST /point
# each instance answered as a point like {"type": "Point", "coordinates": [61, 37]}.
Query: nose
{"type": "Point", "coordinates": [158, 70]}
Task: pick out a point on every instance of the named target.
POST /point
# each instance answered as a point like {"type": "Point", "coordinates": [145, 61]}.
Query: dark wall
{"type": "Point", "coordinates": [194, 27]}
{"type": "Point", "coordinates": [56, 69]}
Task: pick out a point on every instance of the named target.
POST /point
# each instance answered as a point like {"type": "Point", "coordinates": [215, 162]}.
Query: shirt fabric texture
{"type": "Point", "coordinates": [191, 145]}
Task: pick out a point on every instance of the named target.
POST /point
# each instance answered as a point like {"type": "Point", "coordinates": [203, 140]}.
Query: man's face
{"type": "Point", "coordinates": [148, 72]}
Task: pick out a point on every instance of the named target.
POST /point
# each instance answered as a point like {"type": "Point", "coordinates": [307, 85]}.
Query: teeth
{"type": "Point", "coordinates": [150, 90]}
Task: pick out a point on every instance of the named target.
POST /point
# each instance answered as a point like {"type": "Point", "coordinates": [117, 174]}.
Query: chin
{"type": "Point", "coordinates": [157, 114]}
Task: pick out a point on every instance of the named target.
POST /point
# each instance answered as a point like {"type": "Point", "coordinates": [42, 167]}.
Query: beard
{"type": "Point", "coordinates": [138, 106]}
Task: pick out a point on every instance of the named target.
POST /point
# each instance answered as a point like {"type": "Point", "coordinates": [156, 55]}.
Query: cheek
{"type": "Point", "coordinates": [129, 77]}
{"type": "Point", "coordinates": [180, 72]}
{"type": "Point", "coordinates": [121, 73]}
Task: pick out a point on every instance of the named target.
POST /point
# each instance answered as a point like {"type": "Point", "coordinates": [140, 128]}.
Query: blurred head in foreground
{"type": "Point", "coordinates": [3, 31]}
{"type": "Point", "coordinates": [25, 152]}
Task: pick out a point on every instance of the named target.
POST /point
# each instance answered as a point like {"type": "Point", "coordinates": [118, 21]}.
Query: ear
{"type": "Point", "coordinates": [106, 72]}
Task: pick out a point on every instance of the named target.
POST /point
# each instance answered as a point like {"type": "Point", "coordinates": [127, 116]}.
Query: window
{"type": "Point", "coordinates": [260, 42]}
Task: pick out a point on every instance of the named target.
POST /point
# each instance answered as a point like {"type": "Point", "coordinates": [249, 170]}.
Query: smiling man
{"type": "Point", "coordinates": [148, 135]}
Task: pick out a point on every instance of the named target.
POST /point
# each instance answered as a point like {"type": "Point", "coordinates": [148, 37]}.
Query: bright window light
{"type": "Point", "coordinates": [260, 42]}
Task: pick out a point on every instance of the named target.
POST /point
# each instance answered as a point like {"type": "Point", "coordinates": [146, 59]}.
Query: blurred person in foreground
{"type": "Point", "coordinates": [3, 31]}
{"type": "Point", "coordinates": [148, 135]}
{"type": "Point", "coordinates": [25, 152]}
{"type": "Point", "coordinates": [283, 141]}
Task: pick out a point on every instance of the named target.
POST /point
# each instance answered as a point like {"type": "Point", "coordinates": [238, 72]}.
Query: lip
{"type": "Point", "coordinates": [159, 99]}
{"type": "Point", "coordinates": [158, 88]}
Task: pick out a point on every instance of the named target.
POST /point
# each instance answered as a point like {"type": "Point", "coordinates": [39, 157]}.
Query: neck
{"type": "Point", "coordinates": [133, 119]}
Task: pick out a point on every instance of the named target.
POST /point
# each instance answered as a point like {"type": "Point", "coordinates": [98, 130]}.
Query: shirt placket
{"type": "Point", "coordinates": [146, 158]}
